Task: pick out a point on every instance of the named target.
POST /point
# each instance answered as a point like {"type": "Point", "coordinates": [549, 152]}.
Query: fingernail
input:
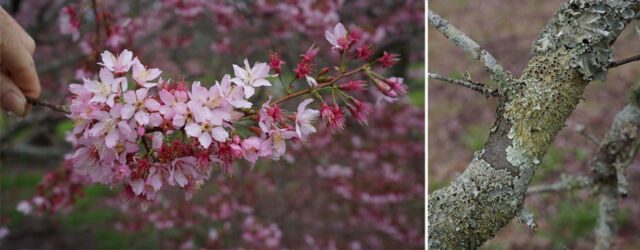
{"type": "Point", "coordinates": [14, 103]}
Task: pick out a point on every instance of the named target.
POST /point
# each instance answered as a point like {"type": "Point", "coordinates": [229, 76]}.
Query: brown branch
{"type": "Point", "coordinates": [623, 61]}
{"type": "Point", "coordinates": [478, 87]}
{"type": "Point", "coordinates": [59, 108]}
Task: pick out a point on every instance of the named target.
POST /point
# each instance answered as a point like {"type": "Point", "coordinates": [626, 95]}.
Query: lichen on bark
{"type": "Point", "coordinates": [534, 108]}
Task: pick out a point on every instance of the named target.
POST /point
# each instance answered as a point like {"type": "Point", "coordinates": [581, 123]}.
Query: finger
{"type": "Point", "coordinates": [27, 42]}
{"type": "Point", "coordinates": [19, 63]}
{"type": "Point", "coordinates": [11, 96]}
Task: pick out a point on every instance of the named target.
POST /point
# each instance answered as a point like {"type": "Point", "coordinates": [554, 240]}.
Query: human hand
{"type": "Point", "coordinates": [18, 77]}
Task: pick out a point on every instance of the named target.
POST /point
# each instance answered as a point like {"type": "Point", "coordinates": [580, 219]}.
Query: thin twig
{"type": "Point", "coordinates": [59, 108]}
{"type": "Point", "coordinates": [566, 183]}
{"type": "Point", "coordinates": [479, 87]}
{"type": "Point", "coordinates": [461, 40]}
{"type": "Point", "coordinates": [592, 138]}
{"type": "Point", "coordinates": [94, 6]}
{"type": "Point", "coordinates": [302, 92]}
{"type": "Point", "coordinates": [623, 61]}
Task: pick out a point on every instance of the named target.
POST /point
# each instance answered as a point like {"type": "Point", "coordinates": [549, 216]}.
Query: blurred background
{"type": "Point", "coordinates": [360, 189]}
{"type": "Point", "coordinates": [459, 121]}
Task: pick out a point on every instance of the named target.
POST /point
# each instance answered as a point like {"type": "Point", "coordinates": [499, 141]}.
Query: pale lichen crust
{"type": "Point", "coordinates": [485, 201]}
{"type": "Point", "coordinates": [588, 28]}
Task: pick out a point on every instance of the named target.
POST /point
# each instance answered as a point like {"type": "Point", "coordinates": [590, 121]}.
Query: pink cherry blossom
{"type": "Point", "coordinates": [112, 127]}
{"type": "Point", "coordinates": [305, 119]}
{"type": "Point", "coordinates": [174, 106]}
{"type": "Point", "coordinates": [106, 89]}
{"type": "Point", "coordinates": [251, 77]}
{"type": "Point", "coordinates": [121, 64]}
{"type": "Point", "coordinates": [251, 147]}
{"type": "Point", "coordinates": [338, 38]}
{"type": "Point", "coordinates": [142, 75]}
{"type": "Point", "coordinates": [275, 145]}
{"type": "Point", "coordinates": [138, 104]}
{"type": "Point", "coordinates": [206, 132]}
{"type": "Point", "coordinates": [232, 94]}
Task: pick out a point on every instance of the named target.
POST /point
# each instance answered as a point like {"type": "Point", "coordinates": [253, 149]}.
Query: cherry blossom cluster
{"type": "Point", "coordinates": [165, 133]}
{"type": "Point", "coordinates": [375, 172]}
{"type": "Point", "coordinates": [57, 192]}
{"type": "Point", "coordinates": [368, 195]}
{"type": "Point", "coordinates": [161, 132]}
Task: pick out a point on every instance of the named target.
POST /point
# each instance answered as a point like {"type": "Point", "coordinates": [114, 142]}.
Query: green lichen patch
{"type": "Point", "coordinates": [548, 95]}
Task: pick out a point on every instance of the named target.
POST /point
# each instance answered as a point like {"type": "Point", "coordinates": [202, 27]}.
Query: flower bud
{"type": "Point", "coordinates": [323, 71]}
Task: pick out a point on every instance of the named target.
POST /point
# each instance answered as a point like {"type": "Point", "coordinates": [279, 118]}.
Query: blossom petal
{"type": "Point", "coordinates": [127, 111]}
{"type": "Point", "coordinates": [152, 104]}
{"type": "Point", "coordinates": [205, 139]}
{"type": "Point", "coordinates": [111, 139]}
{"type": "Point", "coordinates": [193, 130]}
{"type": "Point", "coordinates": [180, 178]}
{"type": "Point", "coordinates": [142, 118]}
{"type": "Point", "coordinates": [240, 73]}
{"type": "Point", "coordinates": [178, 121]}
{"type": "Point", "coordinates": [219, 134]}
{"type": "Point", "coordinates": [137, 185]}
{"type": "Point", "coordinates": [156, 142]}
{"type": "Point", "coordinates": [261, 82]}
{"type": "Point", "coordinates": [248, 91]}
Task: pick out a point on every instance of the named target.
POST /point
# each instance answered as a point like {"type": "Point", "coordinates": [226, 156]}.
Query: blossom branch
{"type": "Point", "coordinates": [461, 40]}
{"type": "Point", "coordinates": [478, 87]}
{"type": "Point", "coordinates": [306, 91]}
{"type": "Point", "coordinates": [59, 108]}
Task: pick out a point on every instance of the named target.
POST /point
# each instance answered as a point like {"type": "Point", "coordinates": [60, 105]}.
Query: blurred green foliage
{"type": "Point", "coordinates": [575, 219]}
{"type": "Point", "coordinates": [62, 127]}
{"type": "Point", "coordinates": [476, 136]}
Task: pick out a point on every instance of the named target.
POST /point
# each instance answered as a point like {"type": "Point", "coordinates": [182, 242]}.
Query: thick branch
{"type": "Point", "coordinates": [478, 87]}
{"type": "Point", "coordinates": [616, 153]}
{"type": "Point", "coordinates": [491, 191]}
{"type": "Point", "coordinates": [461, 40]}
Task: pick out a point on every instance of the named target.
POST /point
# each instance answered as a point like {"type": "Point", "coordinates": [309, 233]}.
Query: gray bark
{"type": "Point", "coordinates": [615, 154]}
{"type": "Point", "coordinates": [571, 50]}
